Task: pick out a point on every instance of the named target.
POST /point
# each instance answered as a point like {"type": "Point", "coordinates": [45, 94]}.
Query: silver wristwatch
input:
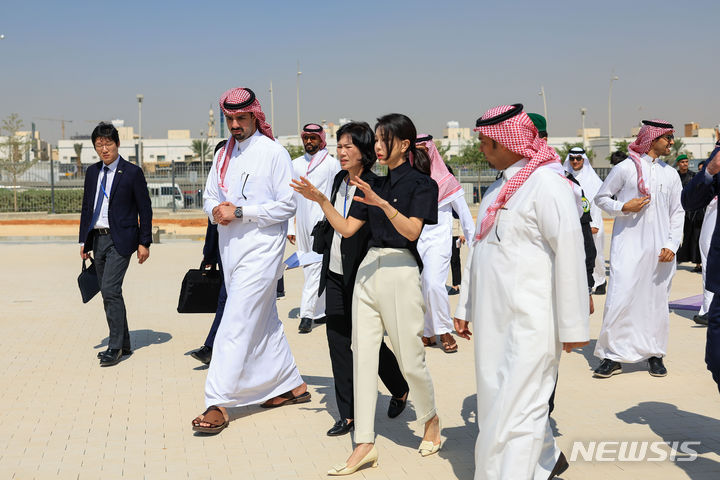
{"type": "Point", "coordinates": [238, 212]}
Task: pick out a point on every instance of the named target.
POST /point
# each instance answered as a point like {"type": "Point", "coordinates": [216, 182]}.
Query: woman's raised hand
{"type": "Point", "coordinates": [370, 198]}
{"type": "Point", "coordinates": [307, 189]}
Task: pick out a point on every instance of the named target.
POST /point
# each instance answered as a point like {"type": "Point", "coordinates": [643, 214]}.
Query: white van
{"type": "Point", "coordinates": [163, 194]}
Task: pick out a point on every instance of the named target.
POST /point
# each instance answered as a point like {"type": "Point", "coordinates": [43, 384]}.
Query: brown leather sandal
{"type": "Point", "coordinates": [429, 341]}
{"type": "Point", "coordinates": [288, 399]}
{"type": "Point", "coordinates": [448, 343]}
{"type": "Point", "coordinates": [214, 426]}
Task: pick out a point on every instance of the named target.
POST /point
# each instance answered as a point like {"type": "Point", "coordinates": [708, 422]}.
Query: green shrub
{"type": "Point", "coordinates": [37, 200]}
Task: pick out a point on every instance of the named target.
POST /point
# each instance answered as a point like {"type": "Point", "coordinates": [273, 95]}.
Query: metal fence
{"type": "Point", "coordinates": [58, 188]}
{"type": "Point", "coordinates": [175, 186]}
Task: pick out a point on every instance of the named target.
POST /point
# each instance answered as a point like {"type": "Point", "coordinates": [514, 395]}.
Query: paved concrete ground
{"type": "Point", "coordinates": [63, 416]}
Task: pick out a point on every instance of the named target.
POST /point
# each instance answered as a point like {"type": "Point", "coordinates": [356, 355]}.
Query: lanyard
{"type": "Point", "coordinates": [347, 187]}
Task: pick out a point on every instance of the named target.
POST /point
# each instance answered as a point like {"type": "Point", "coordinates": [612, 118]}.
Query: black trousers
{"type": "Point", "coordinates": [222, 298]}
{"type": "Point", "coordinates": [712, 346]}
{"type": "Point", "coordinates": [338, 301]}
{"type": "Point", "coordinates": [111, 268]}
{"type": "Point", "coordinates": [455, 263]}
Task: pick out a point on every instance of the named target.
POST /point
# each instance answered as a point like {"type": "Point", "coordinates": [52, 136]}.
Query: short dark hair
{"type": "Point", "coordinates": [542, 134]}
{"type": "Point", "coordinates": [617, 157]}
{"type": "Point", "coordinates": [363, 138]}
{"type": "Point", "coordinates": [106, 130]}
{"type": "Point", "coordinates": [397, 125]}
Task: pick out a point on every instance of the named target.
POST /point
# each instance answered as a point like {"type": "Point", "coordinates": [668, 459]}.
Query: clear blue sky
{"type": "Point", "coordinates": [435, 61]}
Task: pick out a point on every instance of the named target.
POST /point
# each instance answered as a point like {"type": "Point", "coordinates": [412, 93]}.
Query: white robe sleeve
{"type": "Point", "coordinates": [611, 186]}
{"type": "Point", "coordinates": [211, 195]}
{"type": "Point", "coordinates": [677, 216]}
{"type": "Point", "coordinates": [466, 221]}
{"type": "Point", "coordinates": [559, 227]}
{"type": "Point", "coordinates": [283, 206]}
{"type": "Point", "coordinates": [596, 216]}
{"type": "Point", "coordinates": [464, 300]}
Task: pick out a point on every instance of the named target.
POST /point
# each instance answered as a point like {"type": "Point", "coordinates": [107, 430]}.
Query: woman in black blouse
{"type": "Point", "coordinates": [387, 295]}
{"type": "Point", "coordinates": [341, 260]}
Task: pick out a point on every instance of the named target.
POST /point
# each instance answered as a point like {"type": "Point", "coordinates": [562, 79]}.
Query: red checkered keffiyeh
{"type": "Point", "coordinates": [448, 185]}
{"type": "Point", "coordinates": [641, 145]}
{"type": "Point", "coordinates": [316, 130]}
{"type": "Point", "coordinates": [519, 135]}
{"type": "Point", "coordinates": [232, 102]}
{"type": "Point", "coordinates": [322, 153]}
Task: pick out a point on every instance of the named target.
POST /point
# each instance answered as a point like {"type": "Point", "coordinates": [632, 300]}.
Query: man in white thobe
{"type": "Point", "coordinates": [578, 164]}
{"type": "Point", "coordinates": [646, 234]}
{"type": "Point", "coordinates": [526, 293]}
{"type": "Point", "coordinates": [320, 169]}
{"type": "Point", "coordinates": [435, 248]}
{"type": "Point", "coordinates": [248, 194]}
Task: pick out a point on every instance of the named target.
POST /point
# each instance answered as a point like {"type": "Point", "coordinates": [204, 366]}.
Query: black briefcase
{"type": "Point", "coordinates": [200, 291]}
{"type": "Point", "coordinates": [88, 281]}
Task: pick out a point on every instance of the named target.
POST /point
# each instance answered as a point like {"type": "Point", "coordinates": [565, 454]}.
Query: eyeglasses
{"type": "Point", "coordinates": [100, 146]}
{"type": "Point", "coordinates": [669, 137]}
{"type": "Point", "coordinates": [575, 158]}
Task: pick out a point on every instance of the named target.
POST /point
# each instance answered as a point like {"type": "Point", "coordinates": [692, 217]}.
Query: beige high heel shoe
{"type": "Point", "coordinates": [427, 447]}
{"type": "Point", "coordinates": [371, 457]}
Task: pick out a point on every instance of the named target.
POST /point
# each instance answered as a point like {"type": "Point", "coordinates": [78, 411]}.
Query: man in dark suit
{"type": "Point", "coordinates": [116, 195]}
{"type": "Point", "coordinates": [698, 194]}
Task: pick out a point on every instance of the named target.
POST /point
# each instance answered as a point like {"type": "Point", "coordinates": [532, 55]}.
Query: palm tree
{"type": "Point", "coordinates": [201, 149]}
{"type": "Point", "coordinates": [78, 162]}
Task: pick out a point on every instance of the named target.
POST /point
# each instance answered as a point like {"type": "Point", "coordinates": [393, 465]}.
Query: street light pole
{"type": "Point", "coordinates": [298, 97]}
{"type": "Point", "coordinates": [140, 149]}
{"type": "Point", "coordinates": [542, 94]}
{"type": "Point", "coordinates": [272, 109]}
{"type": "Point", "coordinates": [612, 79]}
{"type": "Point", "coordinates": [584, 135]}
{"type": "Point", "coordinates": [202, 155]}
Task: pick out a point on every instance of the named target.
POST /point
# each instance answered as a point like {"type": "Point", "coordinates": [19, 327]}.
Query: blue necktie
{"type": "Point", "coordinates": [101, 195]}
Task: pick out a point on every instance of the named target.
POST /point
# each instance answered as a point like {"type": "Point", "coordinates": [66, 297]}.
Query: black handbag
{"type": "Point", "coordinates": [200, 291]}
{"type": "Point", "coordinates": [322, 236]}
{"type": "Point", "coordinates": [88, 281]}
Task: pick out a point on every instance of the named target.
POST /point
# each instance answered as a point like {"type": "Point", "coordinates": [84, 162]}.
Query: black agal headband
{"type": "Point", "coordinates": [650, 123]}
{"type": "Point", "coordinates": [241, 105]}
{"type": "Point", "coordinates": [515, 110]}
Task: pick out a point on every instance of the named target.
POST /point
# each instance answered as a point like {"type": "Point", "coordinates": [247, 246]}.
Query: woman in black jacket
{"type": "Point", "coordinates": [341, 259]}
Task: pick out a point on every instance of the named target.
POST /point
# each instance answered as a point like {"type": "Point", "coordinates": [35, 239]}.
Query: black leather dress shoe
{"type": "Point", "coordinates": [656, 367]}
{"type": "Point", "coordinates": [202, 354]}
{"type": "Point", "coordinates": [560, 466]}
{"type": "Point", "coordinates": [607, 368]}
{"type": "Point", "coordinates": [111, 357]}
{"type": "Point", "coordinates": [305, 325]}
{"type": "Point", "coordinates": [396, 406]}
{"type": "Point", "coordinates": [701, 319]}
{"type": "Point", "coordinates": [125, 352]}
{"type": "Point", "coordinates": [601, 290]}
{"type": "Point", "coordinates": [341, 427]}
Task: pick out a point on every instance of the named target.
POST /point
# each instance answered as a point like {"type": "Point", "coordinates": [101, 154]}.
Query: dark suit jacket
{"type": "Point", "coordinates": [353, 249]}
{"type": "Point", "coordinates": [129, 199]}
{"type": "Point", "coordinates": [698, 194]}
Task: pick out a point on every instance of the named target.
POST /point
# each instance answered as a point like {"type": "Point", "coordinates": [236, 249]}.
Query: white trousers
{"type": "Point", "coordinates": [435, 249]}
{"type": "Point", "coordinates": [387, 297]}
{"type": "Point", "coordinates": [312, 306]}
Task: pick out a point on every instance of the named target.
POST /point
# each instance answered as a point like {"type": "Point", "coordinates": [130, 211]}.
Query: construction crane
{"type": "Point", "coordinates": [61, 120]}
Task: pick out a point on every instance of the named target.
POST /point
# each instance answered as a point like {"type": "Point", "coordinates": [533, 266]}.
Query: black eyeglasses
{"type": "Point", "coordinates": [575, 158]}
{"type": "Point", "coordinates": [669, 137]}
